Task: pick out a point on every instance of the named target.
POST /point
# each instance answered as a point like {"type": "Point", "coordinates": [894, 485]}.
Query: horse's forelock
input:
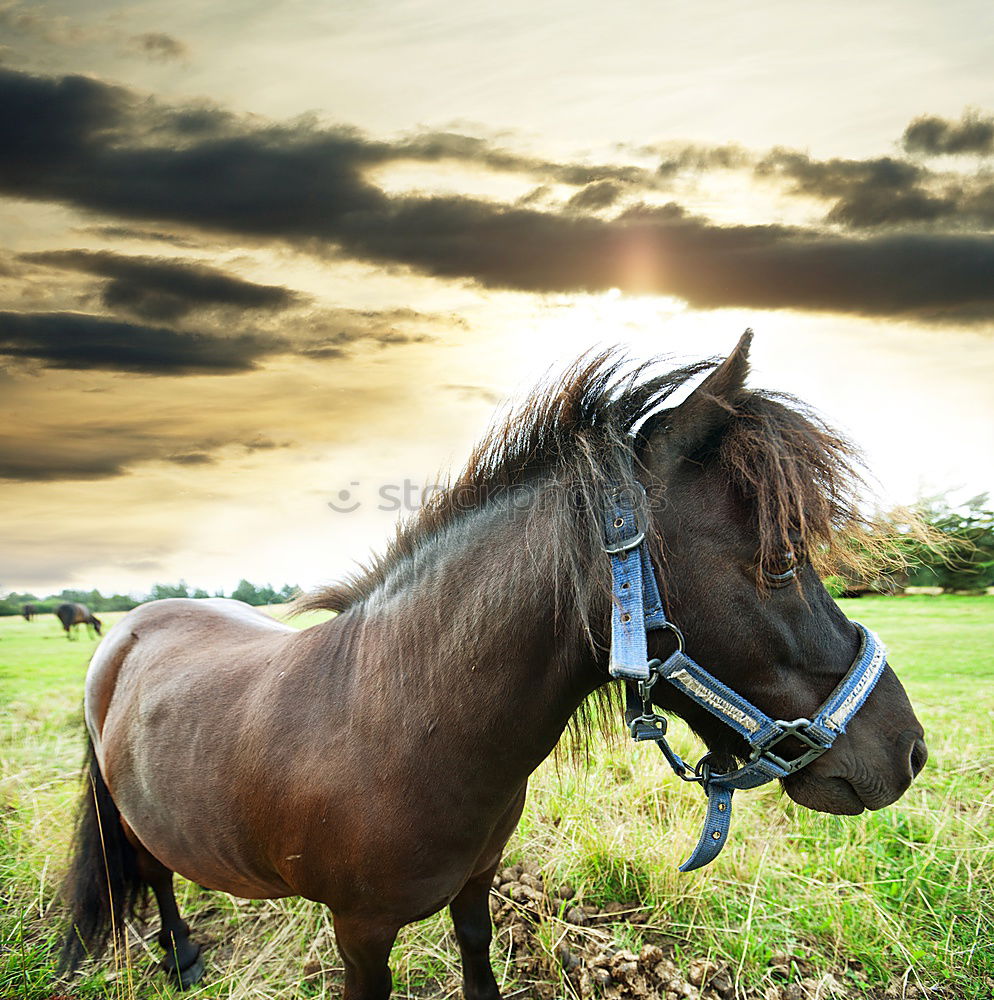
{"type": "Point", "coordinates": [803, 478]}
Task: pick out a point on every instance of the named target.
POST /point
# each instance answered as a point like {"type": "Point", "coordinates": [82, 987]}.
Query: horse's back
{"type": "Point", "coordinates": [171, 634]}
{"type": "Point", "coordinates": [66, 613]}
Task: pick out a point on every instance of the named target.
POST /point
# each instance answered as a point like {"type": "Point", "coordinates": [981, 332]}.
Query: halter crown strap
{"type": "Point", "coordinates": [637, 609]}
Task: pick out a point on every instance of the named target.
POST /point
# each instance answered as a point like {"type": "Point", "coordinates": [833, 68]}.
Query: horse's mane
{"type": "Point", "coordinates": [576, 432]}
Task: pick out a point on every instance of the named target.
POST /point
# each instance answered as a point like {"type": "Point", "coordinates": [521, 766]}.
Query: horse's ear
{"type": "Point", "coordinates": [688, 427]}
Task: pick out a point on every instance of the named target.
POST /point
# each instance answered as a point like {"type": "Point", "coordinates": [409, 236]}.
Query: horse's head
{"type": "Point", "coordinates": [95, 622]}
{"type": "Point", "coordinates": [740, 486]}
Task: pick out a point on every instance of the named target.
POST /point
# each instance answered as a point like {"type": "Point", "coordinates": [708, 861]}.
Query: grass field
{"type": "Point", "coordinates": [899, 900]}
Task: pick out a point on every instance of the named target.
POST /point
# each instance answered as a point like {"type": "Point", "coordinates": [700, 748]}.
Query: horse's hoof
{"type": "Point", "coordinates": [193, 972]}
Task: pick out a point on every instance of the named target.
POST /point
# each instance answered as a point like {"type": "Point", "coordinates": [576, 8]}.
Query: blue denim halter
{"type": "Point", "coordinates": [638, 609]}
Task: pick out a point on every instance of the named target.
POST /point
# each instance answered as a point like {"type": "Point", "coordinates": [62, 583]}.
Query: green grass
{"type": "Point", "coordinates": [904, 893]}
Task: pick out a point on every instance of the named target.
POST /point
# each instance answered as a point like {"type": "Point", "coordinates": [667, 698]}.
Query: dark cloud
{"type": "Point", "coordinates": [9, 266]}
{"type": "Point", "coordinates": [325, 351]}
{"type": "Point", "coordinates": [936, 136]}
{"type": "Point", "coordinates": [136, 233]}
{"type": "Point", "coordinates": [600, 194]}
{"type": "Point", "coordinates": [51, 124]}
{"type": "Point", "coordinates": [837, 178]}
{"type": "Point", "coordinates": [158, 45]}
{"type": "Point", "coordinates": [884, 191]}
{"type": "Point", "coordinates": [697, 157]}
{"type": "Point", "coordinates": [472, 393]}
{"type": "Point", "coordinates": [666, 251]}
{"type": "Point", "coordinates": [332, 332]}
{"type": "Point", "coordinates": [436, 146]}
{"type": "Point", "coordinates": [164, 290]}
{"type": "Point", "coordinates": [867, 193]}
{"type": "Point", "coordinates": [35, 465]}
{"type": "Point", "coordinates": [264, 444]}
{"type": "Point", "coordinates": [204, 167]}
{"type": "Point", "coordinates": [42, 450]}
{"type": "Point", "coordinates": [85, 342]}
{"type": "Point", "coordinates": [100, 148]}
{"type": "Point", "coordinates": [80, 449]}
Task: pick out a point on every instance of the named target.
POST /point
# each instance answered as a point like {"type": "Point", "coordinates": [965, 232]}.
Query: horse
{"type": "Point", "coordinates": [28, 611]}
{"type": "Point", "coordinates": [378, 762]}
{"type": "Point", "coordinates": [71, 615]}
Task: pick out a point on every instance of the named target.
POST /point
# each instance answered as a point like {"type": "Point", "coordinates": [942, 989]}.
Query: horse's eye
{"type": "Point", "coordinates": [782, 571]}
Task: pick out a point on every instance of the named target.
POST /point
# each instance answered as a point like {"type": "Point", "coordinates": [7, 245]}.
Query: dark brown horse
{"type": "Point", "coordinates": [378, 762]}
{"type": "Point", "coordinates": [77, 614]}
{"type": "Point", "coordinates": [28, 611]}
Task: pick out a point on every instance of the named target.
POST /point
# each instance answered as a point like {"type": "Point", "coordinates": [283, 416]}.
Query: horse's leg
{"type": "Point", "coordinates": [182, 955]}
{"type": "Point", "coordinates": [365, 948]}
{"type": "Point", "coordinates": [471, 918]}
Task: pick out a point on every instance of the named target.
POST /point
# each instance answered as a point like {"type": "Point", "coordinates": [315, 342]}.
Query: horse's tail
{"type": "Point", "coordinates": [103, 887]}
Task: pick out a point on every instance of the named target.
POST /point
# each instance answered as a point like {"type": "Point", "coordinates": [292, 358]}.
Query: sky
{"type": "Point", "coordinates": [267, 270]}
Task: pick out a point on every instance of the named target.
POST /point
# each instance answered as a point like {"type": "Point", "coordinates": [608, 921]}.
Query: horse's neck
{"type": "Point", "coordinates": [476, 631]}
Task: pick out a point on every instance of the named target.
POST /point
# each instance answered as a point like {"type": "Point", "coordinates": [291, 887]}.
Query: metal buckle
{"type": "Point", "coordinates": [633, 541]}
{"type": "Point", "coordinates": [626, 544]}
{"type": "Point", "coordinates": [796, 728]}
{"type": "Point", "coordinates": [647, 727]}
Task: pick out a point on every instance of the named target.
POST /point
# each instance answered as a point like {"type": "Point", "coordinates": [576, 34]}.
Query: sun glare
{"type": "Point", "coordinates": [610, 317]}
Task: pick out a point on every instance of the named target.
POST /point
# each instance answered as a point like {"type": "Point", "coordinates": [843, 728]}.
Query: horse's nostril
{"type": "Point", "coordinates": [919, 754]}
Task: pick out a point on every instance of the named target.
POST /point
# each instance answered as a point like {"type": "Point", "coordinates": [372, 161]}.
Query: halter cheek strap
{"type": "Point", "coordinates": [637, 607]}
{"type": "Point", "coordinates": [636, 610]}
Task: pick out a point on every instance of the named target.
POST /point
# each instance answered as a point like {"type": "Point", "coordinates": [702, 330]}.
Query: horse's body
{"type": "Point", "coordinates": [28, 612]}
{"type": "Point", "coordinates": [71, 615]}
{"type": "Point", "coordinates": [349, 726]}
{"type": "Point", "coordinates": [378, 762]}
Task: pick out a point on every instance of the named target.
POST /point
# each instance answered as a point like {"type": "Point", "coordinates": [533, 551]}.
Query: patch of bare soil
{"type": "Point", "coordinates": [545, 926]}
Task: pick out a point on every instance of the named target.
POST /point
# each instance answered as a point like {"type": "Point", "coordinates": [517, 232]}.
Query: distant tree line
{"type": "Point", "coordinates": [968, 563]}
{"type": "Point", "coordinates": [957, 555]}
{"type": "Point", "coordinates": [248, 592]}
{"type": "Point", "coordinates": [954, 551]}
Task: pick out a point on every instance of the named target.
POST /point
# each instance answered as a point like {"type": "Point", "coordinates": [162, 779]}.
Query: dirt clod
{"type": "Point", "coordinates": [700, 970]}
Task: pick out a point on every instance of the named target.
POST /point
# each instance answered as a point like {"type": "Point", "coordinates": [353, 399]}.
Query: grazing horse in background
{"type": "Point", "coordinates": [378, 762]}
{"type": "Point", "coordinates": [28, 611]}
{"type": "Point", "coordinates": [72, 615]}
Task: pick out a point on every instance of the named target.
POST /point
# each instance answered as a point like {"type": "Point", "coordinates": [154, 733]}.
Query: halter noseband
{"type": "Point", "coordinates": [636, 610]}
